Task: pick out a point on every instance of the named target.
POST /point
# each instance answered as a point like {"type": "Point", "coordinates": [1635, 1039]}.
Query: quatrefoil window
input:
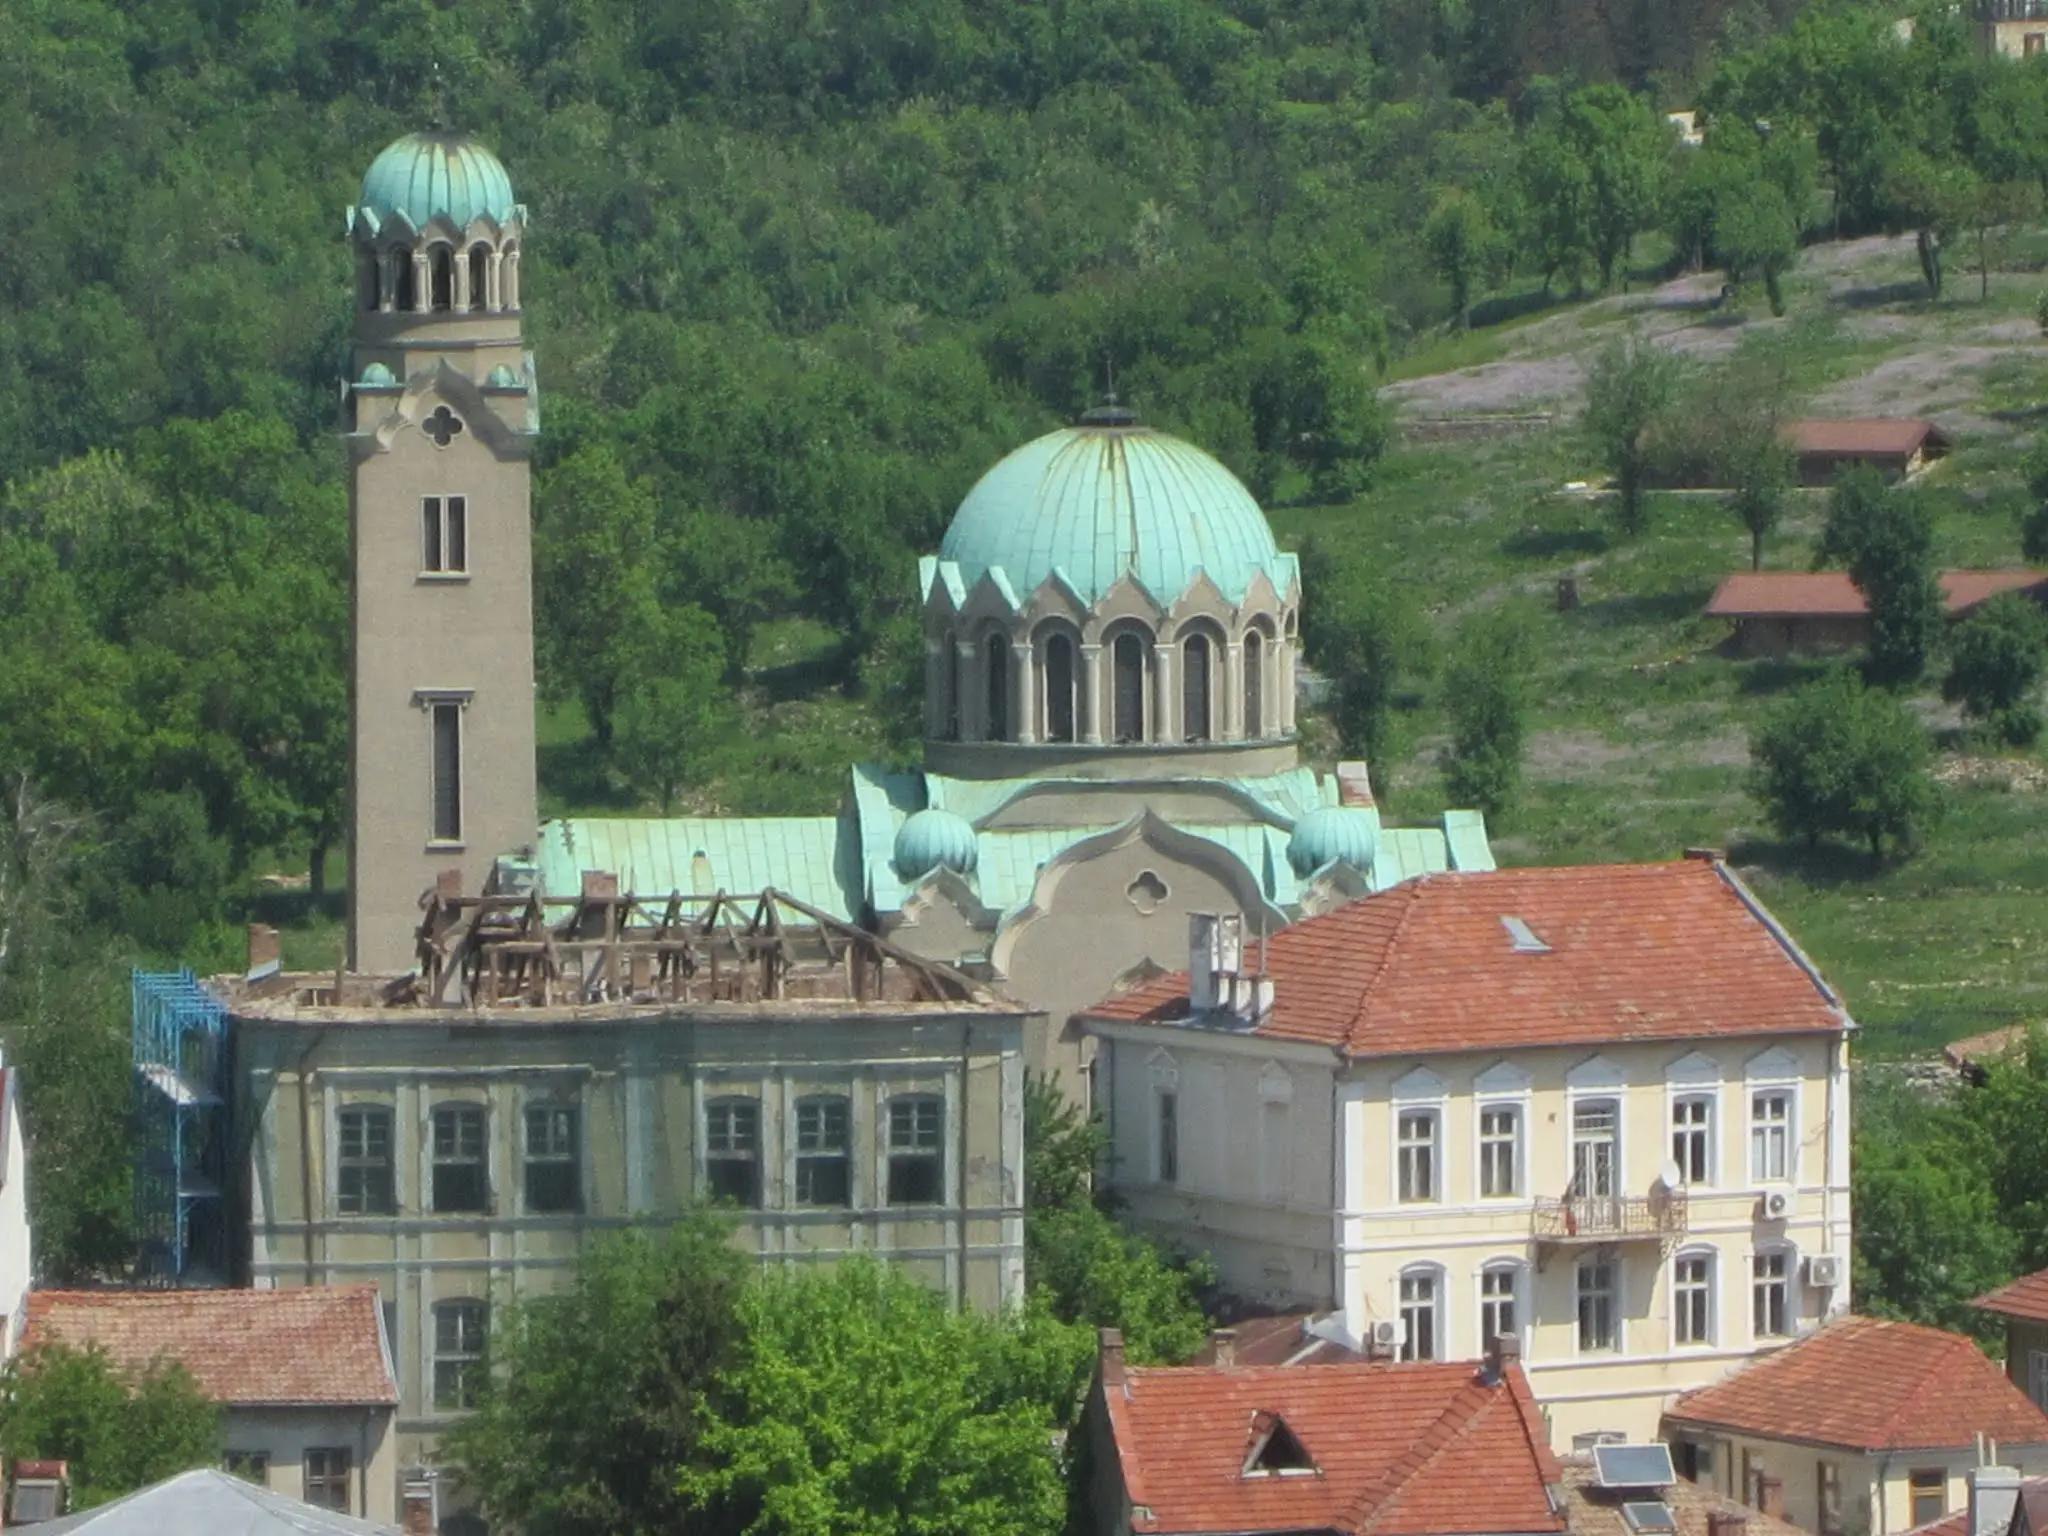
{"type": "Point", "coordinates": [444, 426]}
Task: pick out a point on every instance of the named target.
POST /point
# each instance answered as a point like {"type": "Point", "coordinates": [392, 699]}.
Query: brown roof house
{"type": "Point", "coordinates": [1865, 1426]}
{"type": "Point", "coordinates": [1775, 612]}
{"type": "Point", "coordinates": [303, 1377]}
{"type": "Point", "coordinates": [2024, 1306]}
{"type": "Point", "coordinates": [1895, 446]}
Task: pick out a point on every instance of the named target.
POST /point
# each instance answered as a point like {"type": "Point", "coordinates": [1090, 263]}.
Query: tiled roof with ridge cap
{"type": "Point", "coordinates": [2025, 1298]}
{"type": "Point", "coordinates": [1868, 1384]}
{"type": "Point", "coordinates": [1399, 1449]}
{"type": "Point", "coordinates": [297, 1346]}
{"type": "Point", "coordinates": [1831, 594]}
{"type": "Point", "coordinates": [1670, 951]}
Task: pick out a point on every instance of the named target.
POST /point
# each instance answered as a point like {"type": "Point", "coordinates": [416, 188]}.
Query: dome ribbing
{"type": "Point", "coordinates": [427, 175]}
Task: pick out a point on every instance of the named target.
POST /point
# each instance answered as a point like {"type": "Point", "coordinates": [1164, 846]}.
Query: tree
{"type": "Point", "coordinates": [859, 1401]}
{"type": "Point", "coordinates": [1885, 538]}
{"type": "Point", "coordinates": [1625, 148]}
{"type": "Point", "coordinates": [1557, 190]}
{"type": "Point", "coordinates": [119, 1432]}
{"type": "Point", "coordinates": [1755, 236]}
{"type": "Point", "coordinates": [595, 1392]}
{"type": "Point", "coordinates": [2008, 1110]}
{"type": "Point", "coordinates": [1366, 635]}
{"type": "Point", "coordinates": [2034, 523]}
{"type": "Point", "coordinates": [1629, 388]}
{"type": "Point", "coordinates": [1932, 196]}
{"type": "Point", "coordinates": [672, 707]}
{"type": "Point", "coordinates": [1460, 239]}
{"type": "Point", "coordinates": [1485, 697]}
{"type": "Point", "coordinates": [1839, 758]}
{"type": "Point", "coordinates": [1990, 210]}
{"type": "Point", "coordinates": [1996, 658]}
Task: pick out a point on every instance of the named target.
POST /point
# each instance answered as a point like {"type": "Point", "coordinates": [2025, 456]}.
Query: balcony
{"type": "Point", "coordinates": [1657, 1216]}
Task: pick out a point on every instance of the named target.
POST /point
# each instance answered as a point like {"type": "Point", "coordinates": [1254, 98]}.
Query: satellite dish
{"type": "Point", "coordinates": [1669, 1176]}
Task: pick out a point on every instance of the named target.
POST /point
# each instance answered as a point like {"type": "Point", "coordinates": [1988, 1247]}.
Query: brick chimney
{"type": "Point", "coordinates": [1503, 1353]}
{"type": "Point", "coordinates": [1726, 1522]}
{"type": "Point", "coordinates": [1109, 1356]}
{"type": "Point", "coordinates": [1223, 1347]}
{"type": "Point", "coordinates": [1994, 1494]}
{"type": "Point", "coordinates": [1770, 1495]}
{"type": "Point", "coordinates": [417, 1499]}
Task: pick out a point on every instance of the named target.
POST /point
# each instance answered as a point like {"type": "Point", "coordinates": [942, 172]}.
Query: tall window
{"type": "Point", "coordinates": [362, 1175]}
{"type": "Point", "coordinates": [1770, 1135]}
{"type": "Point", "coordinates": [917, 1151]}
{"type": "Point", "coordinates": [1771, 1290]}
{"type": "Point", "coordinates": [1254, 685]}
{"type": "Point", "coordinates": [1194, 688]}
{"type": "Point", "coordinates": [459, 1158]}
{"type": "Point", "coordinates": [995, 667]}
{"type": "Point", "coordinates": [1415, 1154]}
{"type": "Point", "coordinates": [1168, 1148]}
{"type": "Point", "coordinates": [1500, 1151]}
{"type": "Point", "coordinates": [1593, 1133]}
{"type": "Point", "coordinates": [441, 264]}
{"type": "Point", "coordinates": [1692, 1130]}
{"type": "Point", "coordinates": [371, 272]}
{"type": "Point", "coordinates": [1127, 664]}
{"type": "Point", "coordinates": [458, 1354]}
{"type": "Point", "coordinates": [1497, 1317]}
{"type": "Point", "coordinates": [952, 689]}
{"type": "Point", "coordinates": [824, 1151]}
{"type": "Point", "coordinates": [444, 534]}
{"type": "Point", "coordinates": [1421, 1295]}
{"type": "Point", "coordinates": [1597, 1322]}
{"type": "Point", "coordinates": [1059, 688]}
{"type": "Point", "coordinates": [1692, 1298]}
{"type": "Point", "coordinates": [447, 725]}
{"type": "Point", "coordinates": [479, 275]}
{"type": "Point", "coordinates": [553, 1182]}
{"type": "Point", "coordinates": [1829, 1489]}
{"type": "Point", "coordinates": [327, 1478]}
{"type": "Point", "coordinates": [408, 286]}
{"type": "Point", "coordinates": [2037, 1377]}
{"type": "Point", "coordinates": [1929, 1488]}
{"type": "Point", "coordinates": [732, 1151]}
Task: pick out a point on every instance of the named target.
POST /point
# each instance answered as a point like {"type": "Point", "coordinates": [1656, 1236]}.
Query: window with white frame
{"type": "Point", "coordinates": [824, 1150]}
{"type": "Point", "coordinates": [458, 1353]}
{"type": "Point", "coordinates": [1421, 1305]}
{"type": "Point", "coordinates": [1415, 1155]}
{"type": "Point", "coordinates": [1770, 1135]}
{"type": "Point", "coordinates": [554, 1183]}
{"type": "Point", "coordinates": [1595, 1133]}
{"type": "Point", "coordinates": [1692, 1137]}
{"type": "Point", "coordinates": [1692, 1298]}
{"type": "Point", "coordinates": [363, 1183]}
{"type": "Point", "coordinates": [1166, 1148]}
{"type": "Point", "coordinates": [1771, 1293]}
{"type": "Point", "coordinates": [445, 798]}
{"type": "Point", "coordinates": [917, 1149]}
{"type": "Point", "coordinates": [1499, 1317]}
{"type": "Point", "coordinates": [732, 1151]}
{"type": "Point", "coordinates": [1500, 1151]}
{"type": "Point", "coordinates": [1595, 1283]}
{"type": "Point", "coordinates": [444, 529]}
{"type": "Point", "coordinates": [459, 1182]}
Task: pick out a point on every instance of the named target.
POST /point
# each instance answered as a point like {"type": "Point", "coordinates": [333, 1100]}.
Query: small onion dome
{"type": "Point", "coordinates": [377, 376]}
{"type": "Point", "coordinates": [424, 176]}
{"type": "Point", "coordinates": [502, 377]}
{"type": "Point", "coordinates": [1328, 832]}
{"type": "Point", "coordinates": [931, 838]}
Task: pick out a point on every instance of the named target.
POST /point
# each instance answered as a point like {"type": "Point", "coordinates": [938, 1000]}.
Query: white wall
{"type": "Point", "coordinates": [16, 1253]}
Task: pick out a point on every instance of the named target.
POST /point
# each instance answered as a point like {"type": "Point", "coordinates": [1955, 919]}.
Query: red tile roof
{"type": "Point", "coordinates": [1671, 951]}
{"type": "Point", "coordinates": [1862, 434]}
{"type": "Point", "coordinates": [1832, 595]}
{"type": "Point", "coordinates": [2033, 1498]}
{"type": "Point", "coordinates": [1865, 1384]}
{"type": "Point", "coordinates": [1402, 1450]}
{"type": "Point", "coordinates": [1278, 1339]}
{"type": "Point", "coordinates": [316, 1345]}
{"type": "Point", "coordinates": [1595, 1511]}
{"type": "Point", "coordinates": [2026, 1298]}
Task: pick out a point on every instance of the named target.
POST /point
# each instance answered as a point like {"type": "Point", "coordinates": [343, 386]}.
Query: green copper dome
{"type": "Point", "coordinates": [932, 837]}
{"type": "Point", "coordinates": [1332, 833]}
{"type": "Point", "coordinates": [1108, 497]}
{"type": "Point", "coordinates": [429, 175]}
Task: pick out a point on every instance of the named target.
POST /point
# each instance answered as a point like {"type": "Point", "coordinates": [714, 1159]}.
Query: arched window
{"type": "Point", "coordinates": [1127, 663]}
{"type": "Point", "coordinates": [459, 1183]}
{"type": "Point", "coordinates": [479, 273]}
{"type": "Point", "coordinates": [732, 1151]}
{"type": "Point", "coordinates": [1254, 685]}
{"type": "Point", "coordinates": [508, 277]}
{"type": "Point", "coordinates": [372, 279]}
{"type": "Point", "coordinates": [408, 291]}
{"type": "Point", "coordinates": [1194, 688]}
{"type": "Point", "coordinates": [824, 1150]}
{"type": "Point", "coordinates": [1500, 1302]}
{"type": "Point", "coordinates": [951, 718]}
{"type": "Point", "coordinates": [1059, 688]}
{"type": "Point", "coordinates": [441, 267]}
{"type": "Point", "coordinates": [995, 666]}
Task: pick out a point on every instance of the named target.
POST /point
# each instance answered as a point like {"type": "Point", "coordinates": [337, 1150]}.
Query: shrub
{"type": "Point", "coordinates": [1996, 660]}
{"type": "Point", "coordinates": [1839, 758]}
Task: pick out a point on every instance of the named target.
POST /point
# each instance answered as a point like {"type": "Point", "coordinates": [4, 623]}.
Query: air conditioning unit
{"type": "Point", "coordinates": [1774, 1206]}
{"type": "Point", "coordinates": [1388, 1334]}
{"type": "Point", "coordinates": [1824, 1270]}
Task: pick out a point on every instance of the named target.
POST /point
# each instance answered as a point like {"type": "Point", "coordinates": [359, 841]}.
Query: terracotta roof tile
{"type": "Point", "coordinates": [1591, 1510]}
{"type": "Point", "coordinates": [1862, 434]}
{"type": "Point", "coordinates": [1832, 595]}
{"type": "Point", "coordinates": [1399, 1450]}
{"type": "Point", "coordinates": [1866, 1384]}
{"type": "Point", "coordinates": [2026, 1297]}
{"type": "Point", "coordinates": [320, 1344]}
{"type": "Point", "coordinates": [1634, 952]}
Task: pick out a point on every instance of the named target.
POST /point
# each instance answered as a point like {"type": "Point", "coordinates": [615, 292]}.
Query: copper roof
{"type": "Point", "coordinates": [296, 1347]}
{"type": "Point", "coordinates": [1831, 594]}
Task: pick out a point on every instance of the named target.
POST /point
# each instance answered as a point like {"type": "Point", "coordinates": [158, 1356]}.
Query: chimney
{"type": "Point", "coordinates": [1726, 1522]}
{"type": "Point", "coordinates": [266, 953]}
{"type": "Point", "coordinates": [41, 1490]}
{"type": "Point", "coordinates": [1994, 1494]}
{"type": "Point", "coordinates": [1223, 1347]}
{"type": "Point", "coordinates": [1354, 783]}
{"type": "Point", "coordinates": [1770, 1495]}
{"type": "Point", "coordinates": [1205, 960]}
{"type": "Point", "coordinates": [1109, 1355]}
{"type": "Point", "coordinates": [418, 1495]}
{"type": "Point", "coordinates": [1503, 1354]}
{"type": "Point", "coordinates": [599, 885]}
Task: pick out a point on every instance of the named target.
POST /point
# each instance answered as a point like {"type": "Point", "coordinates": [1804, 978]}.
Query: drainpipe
{"type": "Point", "coordinates": [960, 1211]}
{"type": "Point", "coordinates": [306, 1151]}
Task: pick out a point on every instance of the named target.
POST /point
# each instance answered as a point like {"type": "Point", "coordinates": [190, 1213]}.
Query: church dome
{"type": "Point", "coordinates": [428, 175]}
{"type": "Point", "coordinates": [931, 838]}
{"type": "Point", "coordinates": [1108, 497]}
{"type": "Point", "coordinates": [1339, 832]}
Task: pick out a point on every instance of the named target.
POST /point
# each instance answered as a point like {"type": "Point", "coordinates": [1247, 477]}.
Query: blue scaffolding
{"type": "Point", "coordinates": [180, 1045]}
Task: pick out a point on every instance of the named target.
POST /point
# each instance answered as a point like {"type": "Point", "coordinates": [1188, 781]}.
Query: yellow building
{"type": "Point", "coordinates": [1605, 1109]}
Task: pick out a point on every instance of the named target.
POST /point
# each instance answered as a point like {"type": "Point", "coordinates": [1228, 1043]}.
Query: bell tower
{"type": "Point", "coordinates": [441, 415]}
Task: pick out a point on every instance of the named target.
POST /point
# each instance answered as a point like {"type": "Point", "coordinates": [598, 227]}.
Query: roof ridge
{"type": "Point", "coordinates": [1471, 1399]}
{"type": "Point", "coordinates": [1413, 889]}
{"type": "Point", "coordinates": [1951, 1344]}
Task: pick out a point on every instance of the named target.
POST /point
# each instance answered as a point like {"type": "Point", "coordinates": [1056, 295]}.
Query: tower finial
{"type": "Point", "coordinates": [1108, 412]}
{"type": "Point", "coordinates": [1108, 379]}
{"type": "Point", "coordinates": [437, 98]}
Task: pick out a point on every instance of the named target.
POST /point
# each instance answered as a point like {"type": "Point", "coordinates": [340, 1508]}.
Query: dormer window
{"type": "Point", "coordinates": [1275, 1450]}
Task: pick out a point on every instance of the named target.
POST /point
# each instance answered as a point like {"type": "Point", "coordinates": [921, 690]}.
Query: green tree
{"type": "Point", "coordinates": [1557, 191]}
{"type": "Point", "coordinates": [1885, 539]}
{"type": "Point", "coordinates": [1367, 636]}
{"type": "Point", "coordinates": [1461, 241]}
{"type": "Point", "coordinates": [1840, 758]}
{"type": "Point", "coordinates": [673, 708]}
{"type": "Point", "coordinates": [1755, 236]}
{"type": "Point", "coordinates": [1629, 389]}
{"type": "Point", "coordinates": [1996, 658]}
{"type": "Point", "coordinates": [2008, 1111]}
{"type": "Point", "coordinates": [1933, 196]}
{"type": "Point", "coordinates": [2034, 522]}
{"type": "Point", "coordinates": [595, 1392]}
{"type": "Point", "coordinates": [1485, 697]}
{"type": "Point", "coordinates": [1625, 148]}
{"type": "Point", "coordinates": [859, 1401]}
{"type": "Point", "coordinates": [119, 1432]}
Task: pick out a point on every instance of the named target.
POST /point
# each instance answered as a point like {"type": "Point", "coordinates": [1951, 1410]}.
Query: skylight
{"type": "Point", "coordinates": [1649, 1517]}
{"type": "Point", "coordinates": [1523, 937]}
{"type": "Point", "coordinates": [1276, 1450]}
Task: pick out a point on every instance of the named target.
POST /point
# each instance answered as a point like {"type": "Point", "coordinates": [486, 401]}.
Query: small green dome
{"type": "Point", "coordinates": [929, 839]}
{"type": "Point", "coordinates": [1332, 832]}
{"type": "Point", "coordinates": [1109, 497]}
{"type": "Point", "coordinates": [429, 175]}
{"type": "Point", "coordinates": [377, 376]}
{"type": "Point", "coordinates": [502, 377]}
